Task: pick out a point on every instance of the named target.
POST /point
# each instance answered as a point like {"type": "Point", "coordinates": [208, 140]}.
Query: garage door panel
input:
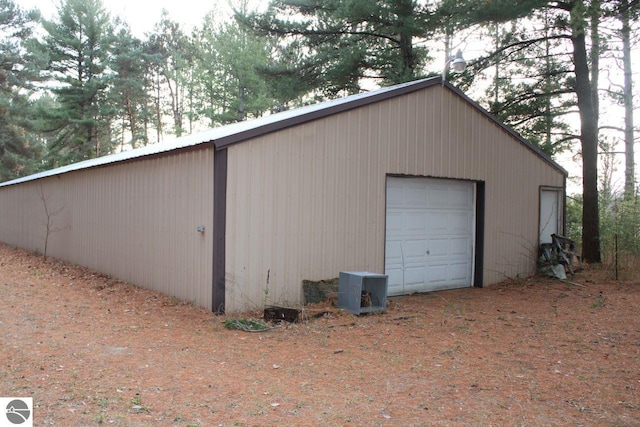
{"type": "Point", "coordinates": [414, 197]}
{"type": "Point", "coordinates": [460, 223]}
{"type": "Point", "coordinates": [461, 197]}
{"type": "Point", "coordinates": [393, 252]}
{"type": "Point", "coordinates": [430, 232]}
{"type": "Point", "coordinates": [395, 279]}
{"type": "Point", "coordinates": [437, 196]}
{"type": "Point", "coordinates": [459, 273]}
{"type": "Point", "coordinates": [437, 273]}
{"type": "Point", "coordinates": [414, 275]}
{"type": "Point", "coordinates": [395, 194]}
{"type": "Point", "coordinates": [438, 248]}
{"type": "Point", "coordinates": [438, 222]}
{"type": "Point", "coordinates": [414, 251]}
{"type": "Point", "coordinates": [460, 247]}
{"type": "Point", "coordinates": [454, 274]}
{"type": "Point", "coordinates": [415, 222]}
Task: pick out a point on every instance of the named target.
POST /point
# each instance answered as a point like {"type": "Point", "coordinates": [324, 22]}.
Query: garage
{"type": "Point", "coordinates": [415, 181]}
{"type": "Point", "coordinates": [429, 234]}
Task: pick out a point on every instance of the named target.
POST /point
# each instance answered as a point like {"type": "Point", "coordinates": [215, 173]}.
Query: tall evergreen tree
{"type": "Point", "coordinates": [128, 85]}
{"type": "Point", "coordinates": [348, 41]}
{"type": "Point", "coordinates": [207, 74]}
{"type": "Point", "coordinates": [20, 150]}
{"type": "Point", "coordinates": [229, 59]}
{"type": "Point", "coordinates": [78, 43]}
{"type": "Point", "coordinates": [170, 48]}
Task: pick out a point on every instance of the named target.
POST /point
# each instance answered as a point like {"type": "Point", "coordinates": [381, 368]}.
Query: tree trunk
{"type": "Point", "coordinates": [447, 53]}
{"type": "Point", "coordinates": [589, 142]}
{"type": "Point", "coordinates": [158, 110]}
{"type": "Point", "coordinates": [496, 77]}
{"type": "Point", "coordinates": [594, 56]}
{"type": "Point", "coordinates": [407, 10]}
{"type": "Point", "coordinates": [629, 164]}
{"type": "Point", "coordinates": [548, 119]}
{"type": "Point", "coordinates": [131, 117]}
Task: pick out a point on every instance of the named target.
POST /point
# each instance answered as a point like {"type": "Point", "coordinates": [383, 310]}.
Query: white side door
{"type": "Point", "coordinates": [550, 213]}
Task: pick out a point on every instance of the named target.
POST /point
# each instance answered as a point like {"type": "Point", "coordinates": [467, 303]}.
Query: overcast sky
{"type": "Point", "coordinates": [143, 14]}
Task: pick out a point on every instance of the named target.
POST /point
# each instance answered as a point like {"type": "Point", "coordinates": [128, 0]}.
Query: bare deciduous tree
{"type": "Point", "coordinates": [50, 215]}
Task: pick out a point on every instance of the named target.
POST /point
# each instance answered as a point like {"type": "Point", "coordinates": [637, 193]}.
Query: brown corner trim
{"type": "Point", "coordinates": [478, 275]}
{"type": "Point", "coordinates": [219, 230]}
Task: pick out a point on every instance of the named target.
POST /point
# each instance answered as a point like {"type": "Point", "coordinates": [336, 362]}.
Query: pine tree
{"type": "Point", "coordinates": [78, 44]}
{"type": "Point", "coordinates": [20, 150]}
{"type": "Point", "coordinates": [228, 62]}
{"type": "Point", "coordinates": [169, 48]}
{"type": "Point", "coordinates": [346, 42]}
{"type": "Point", "coordinates": [127, 86]}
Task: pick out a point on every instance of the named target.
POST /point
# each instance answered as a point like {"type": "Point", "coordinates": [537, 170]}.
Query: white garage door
{"type": "Point", "coordinates": [429, 234]}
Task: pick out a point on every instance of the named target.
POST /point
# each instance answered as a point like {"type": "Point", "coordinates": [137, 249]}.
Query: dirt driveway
{"type": "Point", "coordinates": [93, 351]}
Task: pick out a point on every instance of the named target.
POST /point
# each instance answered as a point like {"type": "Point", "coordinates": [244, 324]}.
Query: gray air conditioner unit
{"type": "Point", "coordinates": [362, 292]}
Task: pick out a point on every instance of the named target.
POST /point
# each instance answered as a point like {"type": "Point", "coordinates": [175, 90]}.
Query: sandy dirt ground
{"type": "Point", "coordinates": [93, 351]}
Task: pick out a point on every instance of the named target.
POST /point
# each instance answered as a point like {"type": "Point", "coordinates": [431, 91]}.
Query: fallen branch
{"type": "Point", "coordinates": [576, 284]}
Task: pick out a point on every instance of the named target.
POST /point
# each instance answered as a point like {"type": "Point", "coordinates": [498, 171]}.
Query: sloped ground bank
{"type": "Point", "coordinates": [92, 351]}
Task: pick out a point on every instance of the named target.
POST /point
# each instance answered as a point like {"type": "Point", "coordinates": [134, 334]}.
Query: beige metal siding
{"type": "Point", "coordinates": [309, 201]}
{"type": "Point", "coordinates": [136, 221]}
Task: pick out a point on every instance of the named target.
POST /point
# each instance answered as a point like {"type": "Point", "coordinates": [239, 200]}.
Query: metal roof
{"type": "Point", "coordinates": [234, 133]}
